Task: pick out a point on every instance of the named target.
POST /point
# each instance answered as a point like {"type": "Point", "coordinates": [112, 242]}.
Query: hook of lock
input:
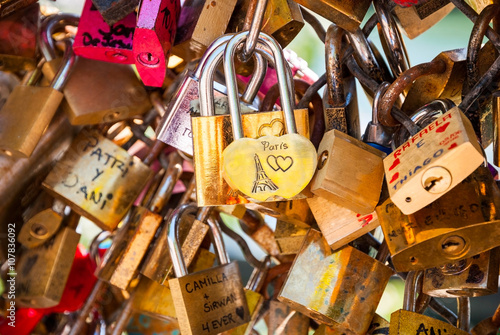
{"type": "Point", "coordinates": [49, 25]}
{"type": "Point", "coordinates": [254, 29]}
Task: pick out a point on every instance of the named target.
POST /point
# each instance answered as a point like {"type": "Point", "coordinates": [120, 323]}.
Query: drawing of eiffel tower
{"type": "Point", "coordinates": [262, 180]}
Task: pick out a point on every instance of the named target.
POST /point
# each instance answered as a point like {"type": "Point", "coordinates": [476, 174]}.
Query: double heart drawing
{"type": "Point", "coordinates": [280, 162]}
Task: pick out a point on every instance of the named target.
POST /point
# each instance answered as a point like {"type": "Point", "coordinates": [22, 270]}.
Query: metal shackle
{"type": "Point", "coordinates": [333, 50]}
{"type": "Point", "coordinates": [49, 25]}
{"type": "Point", "coordinates": [281, 71]}
{"type": "Point", "coordinates": [375, 132]}
{"type": "Point", "coordinates": [413, 286]}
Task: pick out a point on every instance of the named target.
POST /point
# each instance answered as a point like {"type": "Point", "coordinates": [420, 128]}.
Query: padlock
{"type": "Point", "coordinates": [208, 145]}
{"type": "Point", "coordinates": [291, 211]}
{"type": "Point", "coordinates": [285, 320]}
{"type": "Point", "coordinates": [34, 105]}
{"type": "Point", "coordinates": [286, 155]}
{"type": "Point", "coordinates": [407, 321]}
{"type": "Point", "coordinates": [39, 228]}
{"type": "Point", "coordinates": [379, 325]}
{"type": "Point", "coordinates": [44, 270]}
{"type": "Point", "coordinates": [346, 302]}
{"type": "Point", "coordinates": [289, 236]}
{"type": "Point", "coordinates": [153, 39]}
{"type": "Point", "coordinates": [208, 300]}
{"type": "Point", "coordinates": [418, 19]}
{"type": "Point", "coordinates": [196, 28]}
{"type": "Point", "coordinates": [121, 261]}
{"type": "Point", "coordinates": [156, 300]}
{"type": "Point", "coordinates": [282, 19]}
{"type": "Point", "coordinates": [479, 5]}
{"type": "Point", "coordinates": [18, 39]}
{"type": "Point", "coordinates": [432, 162]}
{"type": "Point", "coordinates": [192, 232]}
{"type": "Point", "coordinates": [105, 192]}
{"type": "Point", "coordinates": [113, 11]}
{"type": "Point", "coordinates": [471, 277]}
{"type": "Point", "coordinates": [346, 14]}
{"type": "Point", "coordinates": [97, 40]}
{"type": "Point", "coordinates": [121, 94]}
{"type": "Point", "coordinates": [341, 110]}
{"type": "Point", "coordinates": [446, 228]}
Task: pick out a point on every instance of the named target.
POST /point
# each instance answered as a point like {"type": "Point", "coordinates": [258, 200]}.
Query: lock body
{"type": "Point", "coordinates": [298, 324]}
{"type": "Point", "coordinates": [406, 322]}
{"type": "Point", "coordinates": [39, 228]}
{"type": "Point", "coordinates": [98, 179]}
{"type": "Point", "coordinates": [113, 11]}
{"type": "Point", "coordinates": [290, 236]}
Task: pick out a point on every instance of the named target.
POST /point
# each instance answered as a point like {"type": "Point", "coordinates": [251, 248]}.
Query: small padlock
{"type": "Point", "coordinates": [121, 94]}
{"type": "Point", "coordinates": [39, 228]}
{"type": "Point", "coordinates": [209, 300]}
{"type": "Point", "coordinates": [153, 39]}
{"type": "Point", "coordinates": [446, 227]}
{"type": "Point", "coordinates": [357, 291]}
{"type": "Point", "coordinates": [18, 49]}
{"type": "Point", "coordinates": [407, 321]}
{"type": "Point", "coordinates": [44, 270]}
{"type": "Point", "coordinates": [34, 105]}
{"type": "Point", "coordinates": [105, 192]}
{"type": "Point", "coordinates": [471, 277]}
{"type": "Point", "coordinates": [113, 11]}
{"type": "Point", "coordinates": [97, 40]}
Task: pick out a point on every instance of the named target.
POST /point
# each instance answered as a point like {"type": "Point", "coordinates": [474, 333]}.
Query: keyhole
{"type": "Point", "coordinates": [453, 245]}
{"type": "Point", "coordinates": [431, 182]}
{"type": "Point", "coordinates": [148, 59]}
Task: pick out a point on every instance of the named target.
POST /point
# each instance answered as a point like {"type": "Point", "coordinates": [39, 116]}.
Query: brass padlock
{"type": "Point", "coordinates": [208, 145]}
{"type": "Point", "coordinates": [120, 93]}
{"type": "Point", "coordinates": [105, 192]}
{"type": "Point", "coordinates": [44, 270]}
{"type": "Point", "coordinates": [432, 162]}
{"type": "Point", "coordinates": [471, 277]}
{"type": "Point", "coordinates": [357, 291]}
{"type": "Point", "coordinates": [18, 41]}
{"type": "Point", "coordinates": [407, 321]}
{"type": "Point", "coordinates": [35, 106]}
{"type": "Point", "coordinates": [208, 300]}
{"type": "Point", "coordinates": [39, 228]}
{"type": "Point", "coordinates": [446, 228]}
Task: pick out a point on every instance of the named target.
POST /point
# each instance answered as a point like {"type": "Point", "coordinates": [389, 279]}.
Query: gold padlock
{"type": "Point", "coordinates": [342, 288]}
{"type": "Point", "coordinates": [458, 225]}
{"type": "Point", "coordinates": [212, 299]}
{"type": "Point", "coordinates": [39, 228]}
{"type": "Point", "coordinates": [105, 192]}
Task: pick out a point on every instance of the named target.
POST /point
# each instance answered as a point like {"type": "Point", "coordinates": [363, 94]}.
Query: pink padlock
{"type": "Point", "coordinates": [153, 38]}
{"type": "Point", "coordinates": [97, 40]}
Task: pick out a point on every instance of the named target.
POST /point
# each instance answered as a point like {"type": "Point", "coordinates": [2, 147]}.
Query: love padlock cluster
{"type": "Point", "coordinates": [161, 122]}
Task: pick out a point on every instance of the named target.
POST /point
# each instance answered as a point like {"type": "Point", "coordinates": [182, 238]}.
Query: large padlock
{"type": "Point", "coordinates": [209, 300]}
{"type": "Point", "coordinates": [121, 94]}
{"type": "Point", "coordinates": [408, 321]}
{"type": "Point", "coordinates": [35, 106]}
{"type": "Point", "coordinates": [472, 277]}
{"type": "Point", "coordinates": [456, 226]}
{"type": "Point", "coordinates": [113, 11]}
{"type": "Point", "coordinates": [122, 259]}
{"type": "Point", "coordinates": [98, 179]}
{"type": "Point", "coordinates": [18, 49]}
{"type": "Point", "coordinates": [432, 162]}
{"type": "Point", "coordinates": [357, 291]}
{"type": "Point", "coordinates": [44, 270]}
{"type": "Point", "coordinates": [97, 40]}
{"type": "Point", "coordinates": [153, 39]}
{"type": "Point", "coordinates": [208, 144]}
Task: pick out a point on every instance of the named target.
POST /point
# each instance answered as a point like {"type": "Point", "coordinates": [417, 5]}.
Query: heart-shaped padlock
{"type": "Point", "coordinates": [269, 167]}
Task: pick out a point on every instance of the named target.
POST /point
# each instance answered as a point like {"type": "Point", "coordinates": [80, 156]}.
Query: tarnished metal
{"type": "Point", "coordinates": [315, 288]}
{"type": "Point", "coordinates": [290, 236]}
{"type": "Point", "coordinates": [285, 320]}
{"type": "Point", "coordinates": [39, 228]}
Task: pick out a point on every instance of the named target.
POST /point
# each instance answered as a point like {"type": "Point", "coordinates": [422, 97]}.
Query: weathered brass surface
{"type": "Point", "coordinates": [432, 162]}
{"type": "Point", "coordinates": [212, 300]}
{"type": "Point", "coordinates": [405, 322]}
{"type": "Point", "coordinates": [99, 91]}
{"type": "Point", "coordinates": [24, 118]}
{"type": "Point", "coordinates": [280, 315]}
{"type": "Point", "coordinates": [471, 277]}
{"type": "Point", "coordinates": [98, 179]}
{"type": "Point", "coordinates": [340, 289]}
{"type": "Point", "coordinates": [459, 225]}
{"type": "Point", "coordinates": [44, 270]}
{"type": "Point", "coordinates": [290, 236]}
{"type": "Point", "coordinates": [379, 325]}
{"type": "Point", "coordinates": [350, 172]}
{"type": "Point", "coordinates": [39, 228]}
{"type": "Point", "coordinates": [214, 134]}
{"type": "Point", "coordinates": [338, 224]}
{"type": "Point", "coordinates": [254, 302]}
{"type": "Point", "coordinates": [129, 246]}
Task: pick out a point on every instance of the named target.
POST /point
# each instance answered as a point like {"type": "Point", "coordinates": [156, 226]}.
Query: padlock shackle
{"type": "Point", "coordinates": [68, 60]}
{"type": "Point", "coordinates": [232, 90]}
{"type": "Point", "coordinates": [365, 56]}
{"type": "Point", "coordinates": [166, 187]}
{"type": "Point", "coordinates": [174, 246]}
{"type": "Point", "coordinates": [333, 60]}
{"type": "Point", "coordinates": [218, 241]}
{"type": "Point", "coordinates": [208, 56]}
{"type": "Point", "coordinates": [94, 246]}
{"type": "Point", "coordinates": [49, 25]}
{"type": "Point", "coordinates": [258, 275]}
{"type": "Point", "coordinates": [413, 286]}
{"type": "Point", "coordinates": [463, 312]}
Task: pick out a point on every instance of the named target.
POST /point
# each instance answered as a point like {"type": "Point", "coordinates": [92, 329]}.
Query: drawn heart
{"type": "Point", "coordinates": [442, 128]}
{"type": "Point", "coordinates": [269, 166]}
{"type": "Point", "coordinates": [275, 128]}
{"type": "Point", "coordinates": [280, 162]}
{"type": "Point", "coordinates": [454, 145]}
{"type": "Point", "coordinates": [394, 164]}
{"type": "Point", "coordinates": [240, 311]}
{"type": "Point", "coordinates": [394, 178]}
